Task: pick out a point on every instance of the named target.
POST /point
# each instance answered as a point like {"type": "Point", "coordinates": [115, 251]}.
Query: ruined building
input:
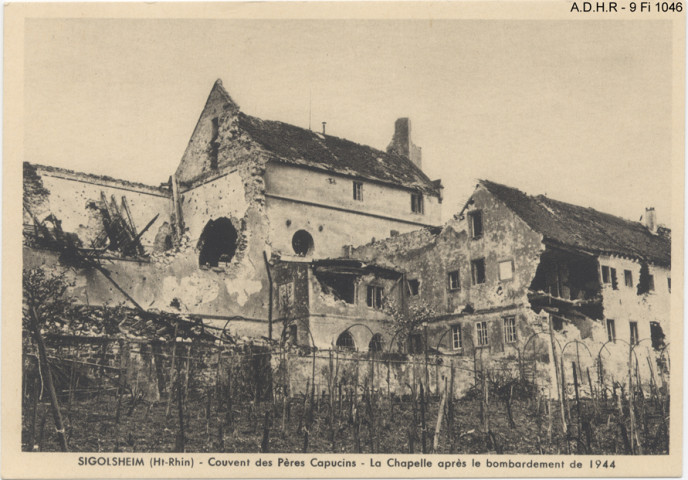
{"type": "Point", "coordinates": [246, 193]}
{"type": "Point", "coordinates": [270, 230]}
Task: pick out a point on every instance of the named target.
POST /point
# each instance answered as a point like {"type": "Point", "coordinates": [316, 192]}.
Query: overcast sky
{"type": "Point", "coordinates": [577, 110]}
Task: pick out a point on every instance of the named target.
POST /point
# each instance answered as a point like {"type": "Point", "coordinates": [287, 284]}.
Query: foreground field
{"type": "Point", "coordinates": [371, 424]}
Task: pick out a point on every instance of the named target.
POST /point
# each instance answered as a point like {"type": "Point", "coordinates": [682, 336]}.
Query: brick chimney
{"type": "Point", "coordinates": [650, 219]}
{"type": "Point", "coordinates": [401, 143]}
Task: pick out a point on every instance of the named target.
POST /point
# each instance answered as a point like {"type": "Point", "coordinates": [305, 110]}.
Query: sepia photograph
{"type": "Point", "coordinates": [418, 240]}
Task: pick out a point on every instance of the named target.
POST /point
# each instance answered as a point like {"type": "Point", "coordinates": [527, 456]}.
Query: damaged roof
{"type": "Point", "coordinates": [297, 146]}
{"type": "Point", "coordinates": [585, 228]}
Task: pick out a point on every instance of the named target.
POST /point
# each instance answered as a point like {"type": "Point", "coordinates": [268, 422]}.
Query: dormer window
{"type": "Point", "coordinates": [358, 191]}
{"type": "Point", "coordinates": [417, 203]}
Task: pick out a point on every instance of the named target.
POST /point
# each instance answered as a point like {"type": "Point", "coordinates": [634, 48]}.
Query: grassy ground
{"type": "Point", "coordinates": [374, 427]}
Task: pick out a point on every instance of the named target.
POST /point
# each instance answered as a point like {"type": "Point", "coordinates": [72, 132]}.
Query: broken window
{"type": "Point", "coordinates": [475, 223]}
{"type": "Point", "coordinates": [611, 330]}
{"type": "Point", "coordinates": [481, 333]}
{"type": "Point", "coordinates": [478, 271]}
{"type": "Point", "coordinates": [358, 191]}
{"type": "Point", "coordinates": [417, 202]}
{"type": "Point", "coordinates": [634, 332]}
{"type": "Point", "coordinates": [453, 279]}
{"type": "Point", "coordinates": [457, 341]}
{"type": "Point", "coordinates": [218, 242]}
{"type": "Point", "coordinates": [345, 341]}
{"type": "Point", "coordinates": [374, 297]}
{"type": "Point", "coordinates": [628, 278]}
{"type": "Point", "coordinates": [657, 335]}
{"type": "Point", "coordinates": [506, 270]}
{"type": "Point", "coordinates": [509, 329]}
{"type": "Point", "coordinates": [343, 287]}
{"type": "Point", "coordinates": [375, 344]}
{"type": "Point", "coordinates": [557, 323]}
{"type": "Point", "coordinates": [302, 243]}
{"type": "Point", "coordinates": [414, 286]}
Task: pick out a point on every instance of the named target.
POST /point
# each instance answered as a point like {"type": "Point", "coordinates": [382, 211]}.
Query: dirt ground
{"type": "Point", "coordinates": [375, 426]}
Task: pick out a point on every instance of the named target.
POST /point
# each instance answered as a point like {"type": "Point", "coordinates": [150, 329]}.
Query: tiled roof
{"type": "Point", "coordinates": [585, 228]}
{"type": "Point", "coordinates": [297, 146]}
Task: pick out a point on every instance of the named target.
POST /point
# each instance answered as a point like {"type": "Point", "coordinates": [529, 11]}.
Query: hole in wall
{"type": "Point", "coordinates": [218, 243]}
{"type": "Point", "coordinates": [302, 242]}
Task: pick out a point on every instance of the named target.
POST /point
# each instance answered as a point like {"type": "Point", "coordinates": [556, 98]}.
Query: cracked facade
{"type": "Point", "coordinates": [269, 229]}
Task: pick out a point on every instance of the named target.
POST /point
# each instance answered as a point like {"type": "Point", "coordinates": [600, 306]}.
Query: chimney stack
{"type": "Point", "coordinates": [401, 143]}
{"type": "Point", "coordinates": [651, 219]}
{"type": "Point", "coordinates": [324, 123]}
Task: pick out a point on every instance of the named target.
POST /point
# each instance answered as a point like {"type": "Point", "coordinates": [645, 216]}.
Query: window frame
{"type": "Point", "coordinates": [509, 327]}
{"type": "Point", "coordinates": [374, 301]}
{"type": "Point", "coordinates": [606, 274]}
{"type": "Point", "coordinates": [474, 271]}
{"type": "Point", "coordinates": [633, 337]}
{"type": "Point", "coordinates": [458, 280]}
{"type": "Point", "coordinates": [456, 338]}
{"type": "Point", "coordinates": [472, 215]}
{"type": "Point", "coordinates": [358, 190]}
{"type": "Point", "coordinates": [417, 203]}
{"type": "Point", "coordinates": [628, 278]}
{"type": "Point", "coordinates": [611, 332]}
{"type": "Point", "coordinates": [482, 334]}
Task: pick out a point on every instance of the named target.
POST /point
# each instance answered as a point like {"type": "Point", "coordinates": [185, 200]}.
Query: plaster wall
{"type": "Point", "coordinates": [70, 193]}
{"type": "Point", "coordinates": [330, 229]}
{"type": "Point", "coordinates": [328, 189]}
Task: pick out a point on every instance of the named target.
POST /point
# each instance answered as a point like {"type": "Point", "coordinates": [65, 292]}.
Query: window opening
{"type": "Point", "coordinates": [481, 330]}
{"type": "Point", "coordinates": [345, 341]}
{"type": "Point", "coordinates": [606, 277]}
{"type": "Point", "coordinates": [374, 297]}
{"type": "Point", "coordinates": [414, 286]}
{"type": "Point", "coordinates": [302, 243]}
{"type": "Point", "coordinates": [475, 221]}
{"type": "Point", "coordinates": [611, 330]}
{"type": "Point", "coordinates": [628, 278]}
{"type": "Point", "coordinates": [656, 335]}
{"type": "Point", "coordinates": [375, 344]}
{"type": "Point", "coordinates": [358, 191]}
{"type": "Point", "coordinates": [634, 332]}
{"type": "Point", "coordinates": [415, 343]}
{"type": "Point", "coordinates": [457, 341]}
{"type": "Point", "coordinates": [478, 271]}
{"type": "Point", "coordinates": [453, 279]}
{"type": "Point", "coordinates": [509, 329]}
{"type": "Point", "coordinates": [417, 202]}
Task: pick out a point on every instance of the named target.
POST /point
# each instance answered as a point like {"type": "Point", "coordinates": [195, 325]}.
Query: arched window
{"type": "Point", "coordinates": [218, 242]}
{"type": "Point", "coordinates": [346, 342]}
{"type": "Point", "coordinates": [302, 243]}
{"type": "Point", "coordinates": [375, 344]}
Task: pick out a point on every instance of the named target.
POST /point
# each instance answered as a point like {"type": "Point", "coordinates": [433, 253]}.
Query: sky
{"type": "Point", "coordinates": [578, 110]}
